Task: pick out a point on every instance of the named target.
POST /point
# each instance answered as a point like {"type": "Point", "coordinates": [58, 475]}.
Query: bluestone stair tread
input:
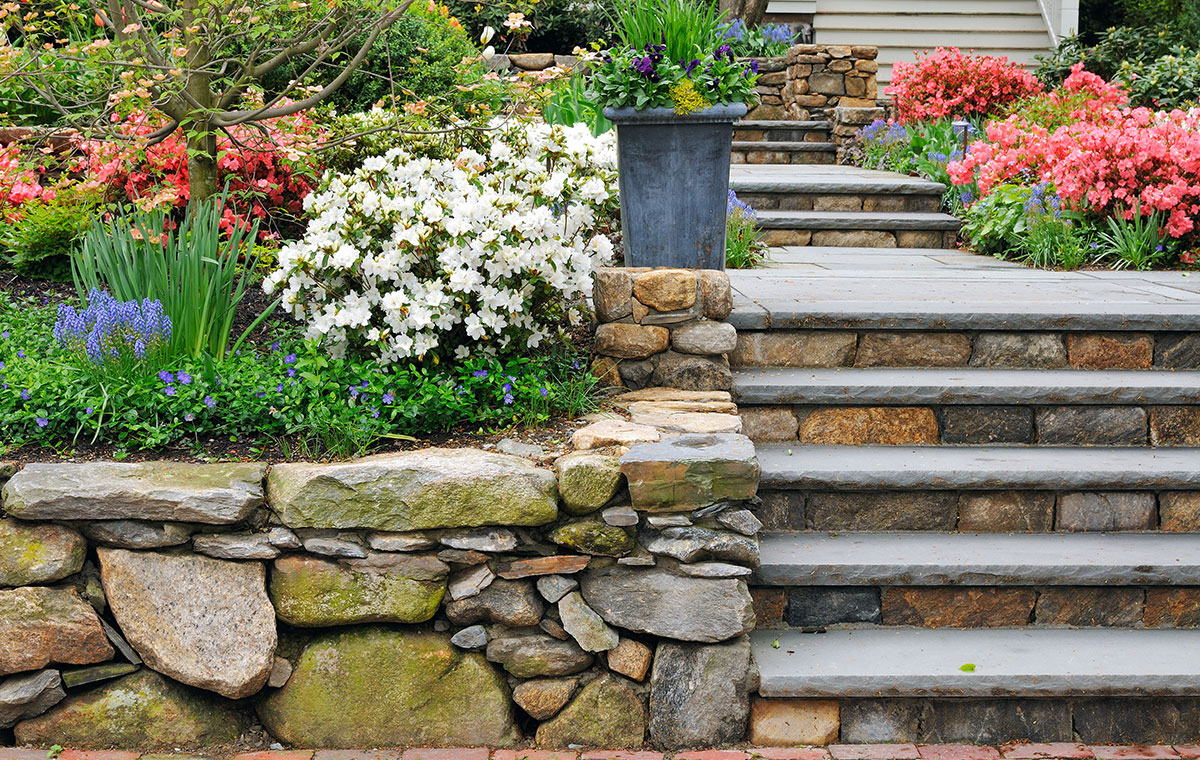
{"type": "Point", "coordinates": [1064, 468]}
{"type": "Point", "coordinates": [902, 662]}
{"type": "Point", "coordinates": [779, 124]}
{"type": "Point", "coordinates": [831, 179]}
{"type": "Point", "coordinates": [787, 146]}
{"type": "Point", "coordinates": [888, 299]}
{"type": "Point", "coordinates": [969, 385]}
{"type": "Point", "coordinates": [857, 220]}
{"type": "Point", "coordinates": [985, 559]}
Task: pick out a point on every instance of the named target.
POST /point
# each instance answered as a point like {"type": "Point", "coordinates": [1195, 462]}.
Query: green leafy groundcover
{"type": "Point", "coordinates": [290, 393]}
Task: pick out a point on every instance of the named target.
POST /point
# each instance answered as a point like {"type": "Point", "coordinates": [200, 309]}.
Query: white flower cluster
{"type": "Point", "coordinates": [407, 256]}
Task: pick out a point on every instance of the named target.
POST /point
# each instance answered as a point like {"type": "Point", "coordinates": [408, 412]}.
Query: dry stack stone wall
{"type": "Point", "coordinates": [663, 328]}
{"type": "Point", "coordinates": [595, 596]}
{"type": "Point", "coordinates": [772, 78]}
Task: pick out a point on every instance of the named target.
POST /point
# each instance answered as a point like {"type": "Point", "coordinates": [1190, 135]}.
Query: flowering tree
{"type": "Point", "coordinates": [196, 65]}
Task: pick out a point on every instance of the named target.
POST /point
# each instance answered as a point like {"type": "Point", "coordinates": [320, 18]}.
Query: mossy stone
{"type": "Point", "coordinates": [593, 537]}
{"type": "Point", "coordinates": [308, 591]}
{"type": "Point", "coordinates": [414, 490]}
{"type": "Point", "coordinates": [587, 481]}
{"type": "Point", "coordinates": [381, 687]}
{"type": "Point", "coordinates": [143, 711]}
{"type": "Point", "coordinates": [606, 713]}
{"type": "Point", "coordinates": [33, 554]}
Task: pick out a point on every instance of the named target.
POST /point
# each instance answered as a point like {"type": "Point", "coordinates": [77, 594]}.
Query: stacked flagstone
{"type": "Point", "coordinates": [441, 596]}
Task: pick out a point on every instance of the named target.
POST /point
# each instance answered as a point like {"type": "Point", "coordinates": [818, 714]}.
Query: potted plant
{"type": "Point", "coordinates": [673, 89]}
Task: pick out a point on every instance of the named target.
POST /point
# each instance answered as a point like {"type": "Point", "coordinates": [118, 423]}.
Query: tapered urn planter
{"type": "Point", "coordinates": [674, 183]}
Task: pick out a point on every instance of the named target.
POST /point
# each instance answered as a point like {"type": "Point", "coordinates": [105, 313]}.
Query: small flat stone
{"type": "Point", "coordinates": [683, 544]}
{"type": "Point", "coordinates": [471, 637]}
{"type": "Point", "coordinates": [462, 557]}
{"type": "Point", "coordinates": [715, 570]}
{"type": "Point", "coordinates": [607, 433]}
{"type": "Point", "coordinates": [553, 628]}
{"type": "Point", "coordinates": [536, 655]}
{"type": "Point", "coordinates": [555, 587]}
{"type": "Point", "coordinates": [740, 520]}
{"type": "Point", "coordinates": [527, 568]}
{"type": "Point", "coordinates": [334, 547]}
{"type": "Point", "coordinates": [623, 516]}
{"type": "Point", "coordinates": [399, 541]}
{"type": "Point", "coordinates": [668, 521]}
{"type": "Point", "coordinates": [482, 540]}
{"type": "Point", "coordinates": [691, 422]}
{"type": "Point", "coordinates": [281, 673]}
{"type": "Point", "coordinates": [470, 582]}
{"type": "Point", "coordinates": [170, 491]}
{"type": "Point", "coordinates": [584, 625]}
{"type": "Point", "coordinates": [638, 560]}
{"type": "Point", "coordinates": [630, 658]}
{"type": "Point", "coordinates": [542, 698]}
{"type": "Point", "coordinates": [236, 546]}
{"type": "Point", "coordinates": [135, 534]}
{"type": "Point", "coordinates": [73, 678]}
{"type": "Point", "coordinates": [518, 449]}
{"type": "Point", "coordinates": [664, 395]}
{"type": "Point", "coordinates": [28, 695]}
{"type": "Point", "coordinates": [283, 537]}
{"type": "Point", "coordinates": [704, 338]}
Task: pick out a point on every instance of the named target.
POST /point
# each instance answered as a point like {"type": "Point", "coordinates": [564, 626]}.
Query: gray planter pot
{"type": "Point", "coordinates": [674, 181]}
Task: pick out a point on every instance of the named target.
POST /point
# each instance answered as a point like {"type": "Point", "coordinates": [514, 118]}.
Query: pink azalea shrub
{"type": "Point", "coordinates": [945, 83]}
{"type": "Point", "coordinates": [1106, 158]}
{"type": "Point", "coordinates": [267, 169]}
{"type": "Point", "coordinates": [19, 182]}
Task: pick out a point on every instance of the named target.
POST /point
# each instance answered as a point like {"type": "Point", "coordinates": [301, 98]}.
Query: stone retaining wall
{"type": "Point", "coordinates": [823, 77]}
{"type": "Point", "coordinates": [772, 78]}
{"type": "Point", "coordinates": [663, 327]}
{"type": "Point", "coordinates": [436, 597]}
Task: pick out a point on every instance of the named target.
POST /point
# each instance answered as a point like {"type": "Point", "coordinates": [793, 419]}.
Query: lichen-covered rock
{"type": "Point", "coordinates": [606, 713]}
{"type": "Point", "coordinates": [584, 625]}
{"type": "Point", "coordinates": [542, 698]}
{"type": "Point", "coordinates": [31, 554]}
{"type": "Point", "coordinates": [687, 472]}
{"type": "Point", "coordinates": [140, 711]}
{"type": "Point", "coordinates": [29, 695]}
{"type": "Point", "coordinates": [700, 694]}
{"type": "Point", "coordinates": [532, 655]}
{"type": "Point", "coordinates": [383, 688]}
{"type": "Point", "coordinates": [593, 537]}
{"type": "Point", "coordinates": [659, 603]}
{"type": "Point", "coordinates": [511, 603]}
{"type": "Point", "coordinates": [587, 481]}
{"type": "Point", "coordinates": [172, 491]}
{"type": "Point", "coordinates": [383, 588]}
{"type": "Point", "coordinates": [415, 490]}
{"type": "Point", "coordinates": [41, 625]}
{"type": "Point", "coordinates": [206, 622]}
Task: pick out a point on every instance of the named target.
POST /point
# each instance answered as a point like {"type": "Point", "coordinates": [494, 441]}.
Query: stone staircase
{"type": "Point", "coordinates": [842, 206]}
{"type": "Point", "coordinates": [783, 142]}
{"type": "Point", "coordinates": [982, 492]}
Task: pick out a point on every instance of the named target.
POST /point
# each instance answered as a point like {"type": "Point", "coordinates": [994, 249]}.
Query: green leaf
{"type": "Point", "coordinates": [968, 667]}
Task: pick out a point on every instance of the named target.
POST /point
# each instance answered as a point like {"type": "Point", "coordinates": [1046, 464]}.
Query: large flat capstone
{"type": "Point", "coordinates": [690, 471]}
{"type": "Point", "coordinates": [206, 622]}
{"type": "Point", "coordinates": [172, 491]}
{"type": "Point", "coordinates": [415, 490]}
{"type": "Point", "coordinates": [659, 603]}
{"type": "Point", "coordinates": [379, 687]}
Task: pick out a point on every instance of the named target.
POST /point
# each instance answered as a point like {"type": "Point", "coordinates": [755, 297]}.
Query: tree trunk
{"type": "Point", "coordinates": [751, 12]}
{"type": "Point", "coordinates": [203, 181]}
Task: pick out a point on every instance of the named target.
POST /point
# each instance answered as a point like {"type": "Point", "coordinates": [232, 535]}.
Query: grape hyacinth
{"type": "Point", "coordinates": [110, 332]}
{"type": "Point", "coordinates": [737, 206]}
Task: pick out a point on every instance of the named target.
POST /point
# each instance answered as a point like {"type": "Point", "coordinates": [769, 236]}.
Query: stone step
{"type": "Point", "coordinates": [978, 559]}
{"type": "Point", "coordinates": [782, 130]}
{"type": "Point", "coordinates": [828, 180]}
{"type": "Point", "coordinates": [978, 468]}
{"type": "Point", "coordinates": [964, 385]}
{"type": "Point", "coordinates": [978, 663]}
{"type": "Point", "coordinates": [971, 301]}
{"type": "Point", "coordinates": [781, 152]}
{"type": "Point", "coordinates": [874, 229]}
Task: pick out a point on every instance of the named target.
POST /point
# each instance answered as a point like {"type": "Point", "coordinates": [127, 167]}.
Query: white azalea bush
{"type": "Point", "coordinates": [410, 256]}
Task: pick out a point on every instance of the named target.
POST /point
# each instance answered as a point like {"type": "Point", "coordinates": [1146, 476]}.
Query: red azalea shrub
{"type": "Point", "coordinates": [946, 83]}
{"type": "Point", "coordinates": [1108, 158]}
{"type": "Point", "coordinates": [19, 182]}
{"type": "Point", "coordinates": [267, 167]}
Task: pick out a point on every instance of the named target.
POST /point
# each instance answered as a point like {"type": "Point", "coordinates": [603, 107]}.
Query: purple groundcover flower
{"type": "Point", "coordinates": [210, 402]}
{"type": "Point", "coordinates": [42, 422]}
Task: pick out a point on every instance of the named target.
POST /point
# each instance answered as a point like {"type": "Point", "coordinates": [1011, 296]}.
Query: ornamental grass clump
{"type": "Point", "coordinates": [482, 254]}
{"type": "Point", "coordinates": [111, 336]}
